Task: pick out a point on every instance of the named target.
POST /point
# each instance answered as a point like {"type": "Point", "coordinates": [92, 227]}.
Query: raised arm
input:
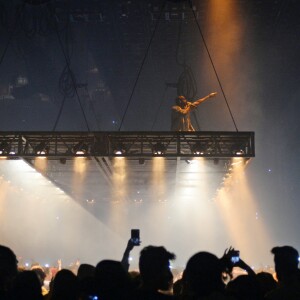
{"type": "Point", "coordinates": [241, 264]}
{"type": "Point", "coordinates": [125, 258]}
{"type": "Point", "coordinates": [199, 101]}
{"type": "Point", "coordinates": [230, 264]}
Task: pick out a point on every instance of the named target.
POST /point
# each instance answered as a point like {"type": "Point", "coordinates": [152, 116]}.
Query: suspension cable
{"type": "Point", "coordinates": [141, 67]}
{"type": "Point", "coordinates": [215, 71]}
{"type": "Point", "coordinates": [72, 78]}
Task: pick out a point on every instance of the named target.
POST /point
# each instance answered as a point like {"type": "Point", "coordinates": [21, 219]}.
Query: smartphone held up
{"type": "Point", "coordinates": [135, 237]}
{"type": "Point", "coordinates": [235, 256]}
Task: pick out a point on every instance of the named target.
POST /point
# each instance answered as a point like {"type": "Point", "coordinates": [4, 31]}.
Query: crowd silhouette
{"type": "Point", "coordinates": [205, 277]}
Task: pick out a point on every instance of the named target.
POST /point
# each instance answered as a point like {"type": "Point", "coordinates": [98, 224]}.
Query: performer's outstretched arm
{"type": "Point", "coordinates": [199, 101]}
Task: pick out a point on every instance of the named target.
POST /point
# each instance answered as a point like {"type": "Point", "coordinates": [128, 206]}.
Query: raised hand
{"type": "Point", "coordinates": [213, 94]}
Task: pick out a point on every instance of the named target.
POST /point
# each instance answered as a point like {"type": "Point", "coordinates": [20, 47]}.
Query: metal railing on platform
{"type": "Point", "coordinates": [127, 144]}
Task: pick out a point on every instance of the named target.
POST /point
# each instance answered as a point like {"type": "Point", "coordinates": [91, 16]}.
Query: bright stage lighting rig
{"type": "Point", "coordinates": [4, 148]}
{"type": "Point", "coordinates": [120, 149]}
{"type": "Point", "coordinates": [80, 149]}
{"type": "Point", "coordinates": [198, 149]}
{"type": "Point", "coordinates": [42, 148]}
{"type": "Point", "coordinates": [159, 149]}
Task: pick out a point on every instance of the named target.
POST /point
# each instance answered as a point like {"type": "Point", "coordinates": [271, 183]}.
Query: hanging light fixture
{"type": "Point", "coordinates": [198, 149]}
{"type": "Point", "coordinates": [159, 149]}
{"type": "Point", "coordinates": [41, 148]}
{"type": "Point", "coordinates": [119, 149]}
{"type": "Point", "coordinates": [80, 148]}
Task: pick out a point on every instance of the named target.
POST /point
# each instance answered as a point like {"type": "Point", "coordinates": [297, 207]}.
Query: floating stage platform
{"type": "Point", "coordinates": [136, 167]}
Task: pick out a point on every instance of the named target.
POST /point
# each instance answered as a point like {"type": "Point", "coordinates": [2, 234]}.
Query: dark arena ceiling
{"type": "Point", "coordinates": [110, 65]}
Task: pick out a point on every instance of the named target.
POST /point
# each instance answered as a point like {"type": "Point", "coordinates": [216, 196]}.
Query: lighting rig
{"type": "Point", "coordinates": [127, 144]}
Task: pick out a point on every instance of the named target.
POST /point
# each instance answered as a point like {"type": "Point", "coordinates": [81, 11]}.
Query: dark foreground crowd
{"type": "Point", "coordinates": [205, 277]}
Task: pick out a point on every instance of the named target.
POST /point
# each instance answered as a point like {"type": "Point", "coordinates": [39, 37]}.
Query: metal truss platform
{"type": "Point", "coordinates": [127, 144]}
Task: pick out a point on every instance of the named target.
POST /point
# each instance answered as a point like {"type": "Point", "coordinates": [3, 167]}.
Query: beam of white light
{"type": "Point", "coordinates": [158, 178]}
{"type": "Point", "coordinates": [79, 175]}
{"type": "Point", "coordinates": [38, 221]}
{"type": "Point", "coordinates": [80, 165]}
{"type": "Point", "coordinates": [117, 219]}
{"type": "Point", "coordinates": [238, 208]}
{"type": "Point", "coordinates": [40, 163]}
{"type": "Point", "coordinates": [193, 212]}
{"type": "Point", "coordinates": [119, 179]}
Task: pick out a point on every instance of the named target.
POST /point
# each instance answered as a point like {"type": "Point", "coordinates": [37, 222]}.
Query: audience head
{"type": "Point", "coordinates": [85, 270]}
{"type": "Point", "coordinates": [8, 266]}
{"type": "Point", "coordinates": [266, 281]}
{"type": "Point", "coordinates": [27, 286]}
{"type": "Point", "coordinates": [64, 286]}
{"type": "Point", "coordinates": [203, 275]}
{"type": "Point", "coordinates": [286, 260]}
{"type": "Point", "coordinates": [245, 287]}
{"type": "Point", "coordinates": [40, 273]}
{"type": "Point", "coordinates": [111, 279]}
{"type": "Point", "coordinates": [154, 267]}
{"type": "Point", "coordinates": [86, 281]}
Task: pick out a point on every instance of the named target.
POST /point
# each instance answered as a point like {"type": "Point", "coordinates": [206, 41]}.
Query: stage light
{"type": "Point", "coordinates": [198, 149]}
{"type": "Point", "coordinates": [237, 149]}
{"type": "Point", "coordinates": [80, 148]}
{"type": "Point", "coordinates": [41, 148]}
{"type": "Point", "coordinates": [239, 152]}
{"type": "Point", "coordinates": [4, 148]}
{"type": "Point", "coordinates": [120, 149]}
{"type": "Point", "coordinates": [159, 149]}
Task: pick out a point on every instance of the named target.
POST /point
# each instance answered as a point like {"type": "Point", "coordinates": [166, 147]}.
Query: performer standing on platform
{"type": "Point", "coordinates": [180, 119]}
